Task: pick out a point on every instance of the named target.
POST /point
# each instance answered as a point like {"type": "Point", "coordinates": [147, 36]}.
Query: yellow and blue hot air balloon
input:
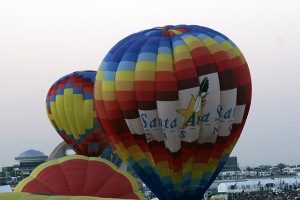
{"type": "Point", "coordinates": [70, 108]}
{"type": "Point", "coordinates": [173, 101]}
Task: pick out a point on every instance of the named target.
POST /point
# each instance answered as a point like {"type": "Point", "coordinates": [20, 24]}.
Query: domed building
{"type": "Point", "coordinates": [29, 160]}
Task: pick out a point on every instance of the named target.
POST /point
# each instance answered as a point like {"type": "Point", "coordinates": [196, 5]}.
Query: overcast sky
{"type": "Point", "coordinates": [41, 41]}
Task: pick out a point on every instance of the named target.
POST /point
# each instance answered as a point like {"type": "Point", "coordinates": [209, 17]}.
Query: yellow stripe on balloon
{"type": "Point", "coordinates": [239, 53]}
{"type": "Point", "coordinates": [187, 166]}
{"type": "Point", "coordinates": [69, 111]}
{"type": "Point", "coordinates": [193, 42]}
{"type": "Point", "coordinates": [181, 52]}
{"type": "Point", "coordinates": [66, 158]}
{"type": "Point", "coordinates": [124, 76]}
{"type": "Point", "coordinates": [61, 114]}
{"type": "Point", "coordinates": [136, 152]}
{"type": "Point", "coordinates": [177, 177]}
{"type": "Point", "coordinates": [88, 114]}
{"type": "Point", "coordinates": [145, 76]}
{"type": "Point", "coordinates": [78, 112]}
{"type": "Point", "coordinates": [164, 66]}
{"type": "Point", "coordinates": [124, 85]}
{"type": "Point", "coordinates": [98, 86]}
{"type": "Point", "coordinates": [226, 45]}
{"type": "Point", "coordinates": [163, 57]}
{"type": "Point", "coordinates": [145, 66]}
{"type": "Point", "coordinates": [108, 86]}
{"type": "Point", "coordinates": [214, 48]}
{"type": "Point", "coordinates": [163, 168]}
{"type": "Point", "coordinates": [164, 63]}
{"type": "Point", "coordinates": [54, 115]}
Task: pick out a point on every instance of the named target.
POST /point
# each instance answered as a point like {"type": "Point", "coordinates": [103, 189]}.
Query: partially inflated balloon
{"type": "Point", "coordinates": [70, 108]}
{"type": "Point", "coordinates": [81, 176]}
{"type": "Point", "coordinates": [173, 101]}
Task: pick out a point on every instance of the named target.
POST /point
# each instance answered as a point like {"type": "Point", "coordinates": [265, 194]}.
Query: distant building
{"type": "Point", "coordinates": [231, 164]}
{"type": "Point", "coordinates": [29, 160]}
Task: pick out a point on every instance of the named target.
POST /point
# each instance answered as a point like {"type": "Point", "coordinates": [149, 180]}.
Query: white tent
{"type": "Point", "coordinates": [252, 185]}
{"type": "Point", "coordinates": [5, 188]}
{"type": "Point", "coordinates": [237, 186]}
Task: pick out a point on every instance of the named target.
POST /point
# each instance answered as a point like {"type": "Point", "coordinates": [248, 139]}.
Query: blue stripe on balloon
{"type": "Point", "coordinates": [60, 91]}
{"type": "Point", "coordinates": [129, 56]}
{"type": "Point", "coordinates": [77, 91]}
{"type": "Point", "coordinates": [52, 98]}
{"type": "Point", "coordinates": [78, 141]}
{"type": "Point", "coordinates": [103, 66]}
{"type": "Point", "coordinates": [186, 179]}
{"type": "Point", "coordinates": [164, 50]}
{"type": "Point", "coordinates": [147, 57]}
{"type": "Point", "coordinates": [69, 85]}
{"type": "Point", "coordinates": [127, 66]}
{"type": "Point", "coordinates": [88, 74]}
{"type": "Point", "coordinates": [232, 43]}
{"type": "Point", "coordinates": [178, 43]}
{"type": "Point", "coordinates": [112, 66]}
{"type": "Point", "coordinates": [89, 131]}
{"type": "Point", "coordinates": [82, 137]}
{"type": "Point", "coordinates": [88, 96]}
{"type": "Point", "coordinates": [184, 36]}
{"type": "Point", "coordinates": [71, 137]}
{"type": "Point", "coordinates": [149, 47]}
{"type": "Point", "coordinates": [202, 36]}
{"type": "Point", "coordinates": [219, 39]}
{"type": "Point", "coordinates": [96, 125]}
{"type": "Point", "coordinates": [109, 76]}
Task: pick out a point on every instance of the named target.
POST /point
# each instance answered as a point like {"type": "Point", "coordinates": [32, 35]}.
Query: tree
{"type": "Point", "coordinates": [281, 166]}
{"type": "Point", "coordinates": [265, 167]}
{"type": "Point", "coordinates": [249, 168]}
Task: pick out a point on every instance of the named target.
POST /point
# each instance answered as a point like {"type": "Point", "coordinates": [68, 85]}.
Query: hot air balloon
{"type": "Point", "coordinates": [78, 175]}
{"type": "Point", "coordinates": [173, 101]}
{"type": "Point", "coordinates": [70, 108]}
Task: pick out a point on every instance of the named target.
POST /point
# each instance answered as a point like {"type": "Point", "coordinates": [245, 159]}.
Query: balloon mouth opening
{"type": "Point", "coordinates": [167, 31]}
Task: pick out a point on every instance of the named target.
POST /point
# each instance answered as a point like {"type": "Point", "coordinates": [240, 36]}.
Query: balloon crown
{"type": "Point", "coordinates": [167, 30]}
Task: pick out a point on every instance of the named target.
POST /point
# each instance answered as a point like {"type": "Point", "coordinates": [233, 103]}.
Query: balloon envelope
{"type": "Point", "coordinates": [70, 108]}
{"type": "Point", "coordinates": [81, 176]}
{"type": "Point", "coordinates": [173, 101]}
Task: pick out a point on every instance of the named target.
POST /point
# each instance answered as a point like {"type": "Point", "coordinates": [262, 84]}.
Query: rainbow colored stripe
{"type": "Point", "coordinates": [173, 101]}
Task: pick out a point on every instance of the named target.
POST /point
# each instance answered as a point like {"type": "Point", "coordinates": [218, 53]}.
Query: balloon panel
{"type": "Point", "coordinates": [70, 108]}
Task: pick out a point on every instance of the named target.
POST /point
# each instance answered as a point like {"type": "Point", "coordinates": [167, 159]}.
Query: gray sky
{"type": "Point", "coordinates": [41, 41]}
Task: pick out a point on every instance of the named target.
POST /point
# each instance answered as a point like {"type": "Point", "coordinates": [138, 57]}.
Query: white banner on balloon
{"type": "Point", "coordinates": [210, 109]}
{"type": "Point", "coordinates": [200, 114]}
{"type": "Point", "coordinates": [227, 112]}
{"type": "Point", "coordinates": [239, 114]}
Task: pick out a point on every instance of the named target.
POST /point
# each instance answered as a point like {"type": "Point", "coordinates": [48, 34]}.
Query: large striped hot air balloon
{"type": "Point", "coordinates": [70, 109]}
{"type": "Point", "coordinates": [173, 101]}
